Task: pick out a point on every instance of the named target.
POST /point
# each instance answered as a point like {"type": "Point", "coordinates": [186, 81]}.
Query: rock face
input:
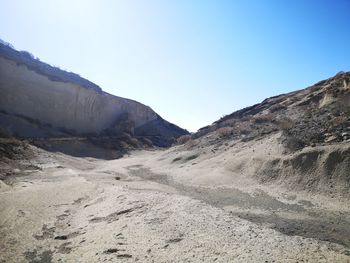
{"type": "Point", "coordinates": [40, 101]}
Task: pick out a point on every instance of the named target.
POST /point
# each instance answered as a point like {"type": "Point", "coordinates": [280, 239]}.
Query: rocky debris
{"type": "Point", "coordinates": [34, 256]}
{"type": "Point", "coordinates": [15, 158]}
{"type": "Point", "coordinates": [47, 232]}
{"type": "Point", "coordinates": [12, 148]}
{"type": "Point", "coordinates": [331, 138]}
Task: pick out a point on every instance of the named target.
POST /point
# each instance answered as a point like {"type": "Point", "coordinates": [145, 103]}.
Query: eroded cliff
{"type": "Point", "coordinates": [41, 101]}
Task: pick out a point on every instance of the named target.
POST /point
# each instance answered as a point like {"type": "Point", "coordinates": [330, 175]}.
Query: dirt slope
{"type": "Point", "coordinates": [300, 140]}
{"type": "Point", "coordinates": [317, 115]}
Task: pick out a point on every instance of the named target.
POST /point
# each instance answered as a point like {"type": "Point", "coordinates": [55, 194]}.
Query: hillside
{"type": "Point", "coordinates": [45, 103]}
{"type": "Point", "coordinates": [305, 136]}
{"type": "Point", "coordinates": [317, 115]}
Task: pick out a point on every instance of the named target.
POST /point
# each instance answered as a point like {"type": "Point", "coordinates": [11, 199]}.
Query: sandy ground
{"type": "Point", "coordinates": [149, 208]}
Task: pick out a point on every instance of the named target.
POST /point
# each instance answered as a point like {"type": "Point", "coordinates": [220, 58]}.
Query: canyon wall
{"type": "Point", "coordinates": [37, 100]}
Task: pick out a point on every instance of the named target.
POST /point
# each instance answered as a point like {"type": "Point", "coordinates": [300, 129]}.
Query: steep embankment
{"type": "Point", "coordinates": [40, 101]}
{"type": "Point", "coordinates": [300, 139]}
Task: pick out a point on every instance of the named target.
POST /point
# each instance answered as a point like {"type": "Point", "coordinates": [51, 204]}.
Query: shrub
{"type": "Point", "coordinates": [286, 124]}
{"type": "Point", "coordinates": [339, 120]}
{"type": "Point", "coordinates": [277, 107]}
{"type": "Point", "coordinates": [27, 54]}
{"type": "Point", "coordinates": [134, 142]}
{"type": "Point", "coordinates": [294, 143]}
{"type": "Point", "coordinates": [183, 139]}
{"type": "Point", "coordinates": [148, 142]}
{"type": "Point", "coordinates": [123, 145]}
{"type": "Point", "coordinates": [263, 118]}
{"type": "Point", "coordinates": [191, 143]}
{"type": "Point", "coordinates": [224, 131]}
{"type": "Point", "coordinates": [229, 123]}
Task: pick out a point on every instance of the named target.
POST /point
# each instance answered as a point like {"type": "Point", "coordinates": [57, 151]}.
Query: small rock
{"type": "Point", "coordinates": [330, 139]}
{"type": "Point", "coordinates": [112, 250]}
{"type": "Point", "coordinates": [61, 237]}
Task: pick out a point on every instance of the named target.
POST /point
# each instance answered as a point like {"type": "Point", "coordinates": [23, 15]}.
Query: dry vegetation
{"type": "Point", "coordinates": [225, 131]}
{"type": "Point", "coordinates": [302, 116]}
{"type": "Point", "coordinates": [184, 139]}
{"type": "Point", "coordinates": [15, 155]}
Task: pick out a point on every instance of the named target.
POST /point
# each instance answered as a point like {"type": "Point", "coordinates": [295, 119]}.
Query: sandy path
{"type": "Point", "coordinates": [86, 210]}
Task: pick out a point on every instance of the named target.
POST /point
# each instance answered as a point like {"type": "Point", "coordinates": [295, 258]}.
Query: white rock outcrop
{"type": "Point", "coordinates": [66, 105]}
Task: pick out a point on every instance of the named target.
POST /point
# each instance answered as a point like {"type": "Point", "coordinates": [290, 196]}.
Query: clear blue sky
{"type": "Point", "coordinates": [192, 61]}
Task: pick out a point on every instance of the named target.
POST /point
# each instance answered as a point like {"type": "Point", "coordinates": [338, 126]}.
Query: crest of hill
{"type": "Point", "coordinates": [53, 73]}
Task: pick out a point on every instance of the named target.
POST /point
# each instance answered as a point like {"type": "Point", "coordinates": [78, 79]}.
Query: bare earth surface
{"type": "Point", "coordinates": [147, 208]}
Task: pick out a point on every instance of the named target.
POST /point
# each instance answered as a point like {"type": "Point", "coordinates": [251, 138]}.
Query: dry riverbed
{"type": "Point", "coordinates": [127, 210]}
